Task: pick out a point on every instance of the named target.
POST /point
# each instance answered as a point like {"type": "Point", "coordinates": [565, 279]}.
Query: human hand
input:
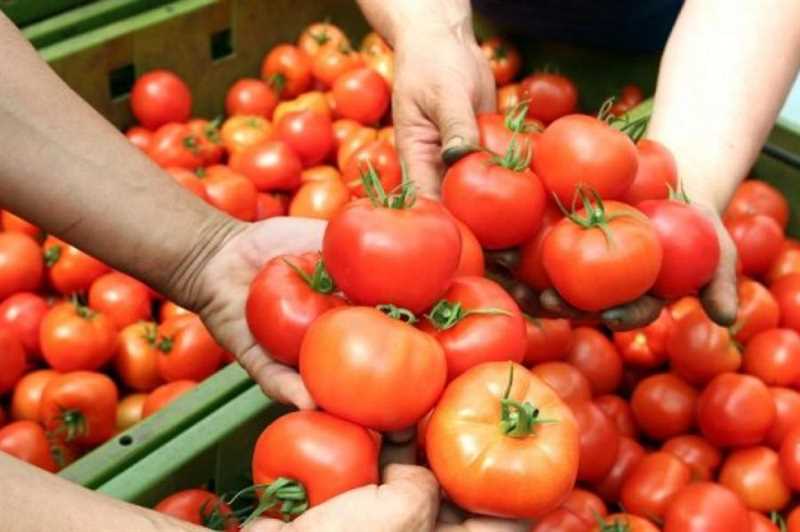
{"type": "Point", "coordinates": [452, 519]}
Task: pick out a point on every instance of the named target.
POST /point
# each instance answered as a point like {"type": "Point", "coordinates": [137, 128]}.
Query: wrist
{"type": "Point", "coordinates": [401, 20]}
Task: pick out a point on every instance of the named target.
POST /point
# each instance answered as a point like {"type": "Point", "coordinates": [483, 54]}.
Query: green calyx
{"type": "Point", "coordinates": [321, 37]}
{"type": "Point", "coordinates": [277, 81]}
{"type": "Point", "coordinates": [191, 144]}
{"type": "Point", "coordinates": [595, 215]}
{"type": "Point", "coordinates": [678, 194]}
{"type": "Point", "coordinates": [616, 525]}
{"type": "Point", "coordinates": [635, 129]}
{"type": "Point", "coordinates": [150, 333]}
{"type": "Point", "coordinates": [51, 255]}
{"type": "Point", "coordinates": [447, 314]}
{"type": "Point", "coordinates": [398, 313]}
{"type": "Point", "coordinates": [514, 119]}
{"type": "Point", "coordinates": [165, 344]}
{"type": "Point", "coordinates": [403, 197]}
{"type": "Point", "coordinates": [213, 517]}
{"type": "Point", "coordinates": [72, 424]}
{"type": "Point", "coordinates": [517, 420]}
{"type": "Point", "coordinates": [778, 520]}
{"type": "Point", "coordinates": [285, 493]}
{"type": "Point", "coordinates": [211, 130]}
{"type": "Point", "coordinates": [81, 309]}
{"type": "Point", "coordinates": [319, 281]}
{"type": "Point", "coordinates": [514, 159]}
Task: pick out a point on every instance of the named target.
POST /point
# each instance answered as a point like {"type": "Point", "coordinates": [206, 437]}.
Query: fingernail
{"type": "Point", "coordinates": [456, 150]}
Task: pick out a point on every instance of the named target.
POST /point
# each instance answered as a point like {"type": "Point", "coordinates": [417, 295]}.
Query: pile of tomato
{"type": "Point", "coordinates": [682, 425]}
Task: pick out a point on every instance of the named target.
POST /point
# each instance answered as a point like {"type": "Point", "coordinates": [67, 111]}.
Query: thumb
{"type": "Point", "coordinates": [458, 129]}
{"type": "Point", "coordinates": [267, 525]}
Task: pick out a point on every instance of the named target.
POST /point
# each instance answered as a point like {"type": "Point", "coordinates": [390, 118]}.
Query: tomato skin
{"type": "Point", "coordinates": [585, 505]}
{"type": "Point", "coordinates": [653, 482]}
{"type": "Point", "coordinates": [69, 269]}
{"type": "Point", "coordinates": [292, 65]}
{"type": "Point", "coordinates": [664, 406]}
{"type": "Point", "coordinates": [322, 194]}
{"type": "Point", "coordinates": [129, 410]}
{"type": "Point", "coordinates": [76, 338]}
{"type": "Point", "coordinates": [471, 260]}
{"type": "Point", "coordinates": [656, 173]}
{"type": "Point", "coordinates": [22, 313]}
{"type": "Point", "coordinates": [315, 101]}
{"type": "Point", "coordinates": [282, 305]}
{"type": "Point", "coordinates": [480, 338]}
{"type": "Point", "coordinates": [483, 470]}
{"type": "Point", "coordinates": [349, 346]}
{"type": "Point", "coordinates": [696, 452]}
{"type": "Point", "coordinates": [165, 394]}
{"type": "Point", "coordinates": [721, 406]}
{"type": "Point", "coordinates": [319, 34]}
{"type": "Point", "coordinates": [231, 192]}
{"type": "Point", "coordinates": [12, 361]}
{"type": "Point", "coordinates": [774, 357]}
{"type": "Point", "coordinates": [27, 441]}
{"type": "Point", "coordinates": [21, 264]}
{"type": "Point", "coordinates": [559, 520]}
{"type": "Point", "coordinates": [597, 358]}
{"type": "Point", "coordinates": [271, 205]}
{"type": "Point", "coordinates": [496, 136]}
{"type": "Point", "coordinates": [176, 144]}
{"type": "Point", "coordinates": [569, 384]}
{"type": "Point", "coordinates": [332, 61]}
{"type": "Point", "coordinates": [343, 128]}
{"type": "Point", "coordinates": [136, 359]}
{"type": "Point", "coordinates": [619, 411]}
{"type": "Point", "coordinates": [761, 523]}
{"type": "Point", "coordinates": [758, 197]}
{"type": "Point", "coordinates": [626, 522]}
{"type": "Point", "coordinates": [159, 97]}
{"type": "Point", "coordinates": [243, 131]}
{"type": "Point", "coordinates": [758, 240]}
{"type": "Point", "coordinates": [599, 441]}
{"type": "Point", "coordinates": [551, 95]}
{"type": "Point", "coordinates": [170, 310]}
{"type": "Point", "coordinates": [361, 95]}
{"type": "Point", "coordinates": [530, 269]}
{"type": "Point", "coordinates": [14, 224]}
{"type": "Point", "coordinates": [502, 207]}
{"type": "Point", "coordinates": [787, 293]}
{"type": "Point", "coordinates": [371, 275]}
{"type": "Point", "coordinates": [689, 243]}
{"type": "Point", "coordinates": [575, 258]}
{"type": "Point", "coordinates": [187, 351]}
{"type": "Point", "coordinates": [271, 166]}
{"type": "Point", "coordinates": [705, 507]}
{"type": "Point", "coordinates": [188, 180]}
{"type": "Point", "coordinates": [786, 262]}
{"type": "Point", "coordinates": [352, 143]}
{"type": "Point", "coordinates": [757, 311]}
{"type": "Point", "coordinates": [383, 159]}
{"type": "Point", "coordinates": [308, 134]}
{"type": "Point", "coordinates": [196, 506]}
{"type": "Point", "coordinates": [93, 396]}
{"type": "Point", "coordinates": [209, 143]}
{"type": "Point", "coordinates": [790, 458]}
{"type": "Point", "coordinates": [28, 394]}
{"type": "Point", "coordinates": [504, 59]}
{"type": "Point", "coordinates": [755, 475]}
{"type": "Point", "coordinates": [120, 297]}
{"type": "Point", "coordinates": [646, 347]}
{"type": "Point", "coordinates": [629, 454]}
{"type": "Point", "coordinates": [548, 340]}
{"type": "Point", "coordinates": [140, 137]}
{"type": "Point", "coordinates": [793, 521]}
{"type": "Point", "coordinates": [699, 349]}
{"type": "Point", "coordinates": [508, 96]}
{"type": "Point", "coordinates": [250, 96]}
{"type": "Point", "coordinates": [787, 415]}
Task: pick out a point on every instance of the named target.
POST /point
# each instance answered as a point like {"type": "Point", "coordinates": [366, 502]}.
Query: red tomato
{"type": "Point", "coordinates": [500, 200]}
{"type": "Point", "coordinates": [321, 454]}
{"type": "Point", "coordinates": [136, 360]}
{"type": "Point", "coordinates": [271, 165]}
{"type": "Point", "coordinates": [690, 247]}
{"type": "Point", "coordinates": [757, 197]}
{"type": "Point", "coordinates": [270, 205]}
{"type": "Point", "coordinates": [22, 314]}
{"type": "Point", "coordinates": [664, 406]}
{"type": "Point", "coordinates": [80, 406]}
{"type": "Point", "coordinates": [178, 145]}
{"type": "Point", "coordinates": [199, 507]}
{"type": "Point", "coordinates": [471, 259]}
{"type": "Point", "coordinates": [790, 458]}
{"type": "Point", "coordinates": [243, 131]}
{"type": "Point", "coordinates": [735, 410]}
{"type": "Point", "coordinates": [758, 240]}
{"type": "Point", "coordinates": [310, 101]}
{"type": "Point", "coordinates": [551, 96]}
{"type": "Point", "coordinates": [599, 441]}
{"type": "Point", "coordinates": [74, 337]}
{"type": "Point", "coordinates": [755, 475]}
{"type": "Point", "coordinates": [508, 97]}
{"type": "Point", "coordinates": [787, 415]}
{"type": "Point", "coordinates": [630, 96]}
{"type": "Point", "coordinates": [357, 363]}
{"type": "Point", "coordinates": [352, 143]}
{"type": "Point", "coordinates": [209, 143]}
{"type": "Point", "coordinates": [487, 445]}
{"type": "Point", "coordinates": [159, 97]}
{"type": "Point", "coordinates": [705, 507]}
{"type": "Point", "coordinates": [140, 137]}
{"type": "Point", "coordinates": [286, 296]}
{"type": "Point", "coordinates": [27, 441]}
{"type": "Point", "coordinates": [231, 192]}
{"type": "Point", "coordinates": [579, 253]}
{"type": "Point", "coordinates": [758, 311]}
{"type": "Point", "coordinates": [653, 483]}
{"type": "Point", "coordinates": [503, 57]}
{"type": "Point", "coordinates": [547, 340]}
{"type": "Point", "coordinates": [568, 383]}
{"type": "Point", "coordinates": [595, 356]}
{"type": "Point", "coordinates": [559, 520]}
{"type": "Point", "coordinates": [646, 347]}
{"type": "Point", "coordinates": [69, 269]}
{"type": "Point", "coordinates": [657, 173]}
{"type": "Point", "coordinates": [774, 357]}
{"type": "Point", "coordinates": [343, 128]}
{"type": "Point", "coordinates": [12, 360]}
{"type": "Point", "coordinates": [497, 131]}
{"type": "Point", "coordinates": [188, 180]}
{"type": "Point", "coordinates": [787, 293]}
{"type": "Point", "coordinates": [411, 273]}
{"type": "Point", "coordinates": [619, 411]}
{"type": "Point", "coordinates": [696, 452]}
{"type": "Point", "coordinates": [787, 262]}
{"type": "Point", "coordinates": [318, 34]}
{"type": "Point", "coordinates": [165, 394]}
{"type": "Point", "coordinates": [250, 96]}
{"type": "Point", "coordinates": [14, 224]}
{"type": "Point", "coordinates": [288, 69]}
{"type": "Point", "coordinates": [382, 157]}
{"type": "Point", "coordinates": [123, 299]}
{"type": "Point", "coordinates": [129, 410]}
{"type": "Point", "coordinates": [332, 61]}
{"type": "Point", "coordinates": [625, 523]}
{"type": "Point", "coordinates": [321, 199]}
{"type": "Point", "coordinates": [699, 349]}
{"type": "Point", "coordinates": [530, 269]}
{"type": "Point", "coordinates": [21, 264]}
{"type": "Point", "coordinates": [628, 455]}
{"type": "Point", "coordinates": [793, 521]}
{"type": "Point", "coordinates": [171, 310]}
{"type": "Point", "coordinates": [28, 394]}
{"type": "Point", "coordinates": [760, 523]}
{"type": "Point", "coordinates": [361, 95]}
{"type": "Point", "coordinates": [585, 505]}
{"type": "Point", "coordinates": [187, 351]}
{"type": "Point", "coordinates": [476, 321]}
{"type": "Point", "coordinates": [308, 134]}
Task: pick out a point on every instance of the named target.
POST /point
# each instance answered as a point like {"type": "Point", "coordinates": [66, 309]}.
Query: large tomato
{"type": "Point", "coordinates": [159, 97]}
{"type": "Point", "coordinates": [12, 361]}
{"type": "Point", "coordinates": [548, 340]}
{"type": "Point", "coordinates": [471, 261]}
{"type": "Point", "coordinates": [646, 347]}
{"type": "Point", "coordinates": [250, 96]}
{"type": "Point", "coordinates": [231, 192]}
{"type": "Point", "coordinates": [357, 363]}
{"type": "Point", "coordinates": [551, 96]}
{"type": "Point", "coordinates": [790, 458]}
{"type": "Point", "coordinates": [69, 269]}
{"type": "Point", "coordinates": [754, 474]}
{"type": "Point", "coordinates": [308, 134]}
{"type": "Point", "coordinates": [757, 311]}
{"type": "Point", "coordinates": [240, 132]}
{"type": "Point", "coordinates": [699, 454]}
{"type": "Point", "coordinates": [332, 61]}
{"type": "Point", "coordinates": [629, 453]}
{"type": "Point", "coordinates": [787, 262]}
{"type": "Point", "coordinates": [611, 247]}
{"type": "Point", "coordinates": [271, 165]}
{"type": "Point", "coordinates": [497, 130]}
{"type": "Point", "coordinates": [664, 406]}
{"type": "Point", "coordinates": [758, 197]}
{"type": "Point", "coordinates": [652, 483]}
{"type": "Point", "coordinates": [74, 337]}
{"type": "Point", "coordinates": [774, 357]}
{"type": "Point", "coordinates": [199, 507]}
{"type": "Point", "coordinates": [288, 69]}
{"type": "Point", "coordinates": [580, 151]}
{"type": "Point", "coordinates": [28, 394]}
{"type": "Point", "coordinates": [699, 349]}
{"type": "Point", "coordinates": [187, 351]}
{"type": "Point", "coordinates": [27, 441]}
{"type": "Point", "coordinates": [689, 243]}
{"type": "Point", "coordinates": [361, 95]}
{"type": "Point", "coordinates": [309, 457]}
{"type": "Point", "coordinates": [164, 395]}
{"type": "Point", "coordinates": [620, 412]}
{"type": "Point", "coordinates": [22, 313]}
{"type": "Point", "coordinates": [123, 299]}
{"type": "Point", "coordinates": [80, 407]}
{"type": "Point", "coordinates": [787, 415]}
{"type": "Point", "coordinates": [21, 264]}
{"type": "Point", "coordinates": [599, 441]}
{"type": "Point", "coordinates": [476, 321]}
{"type": "Point", "coordinates": [382, 158]}
{"type": "Point", "coordinates": [657, 173]}
{"type": "Point", "coordinates": [787, 293]}
{"type": "Point", "coordinates": [503, 57]}
{"type": "Point", "coordinates": [597, 358]}
{"type": "Point", "coordinates": [489, 449]}
{"type": "Point", "coordinates": [705, 507]}
{"type": "Point", "coordinates": [568, 383]}
{"type": "Point", "coordinates": [178, 145]}
{"type": "Point", "coordinates": [136, 360]}
{"type": "Point", "coordinates": [758, 240]}
{"type": "Point", "coordinates": [735, 410]}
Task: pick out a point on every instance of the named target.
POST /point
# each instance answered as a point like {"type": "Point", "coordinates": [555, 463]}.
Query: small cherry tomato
{"type": "Point", "coordinates": [551, 95]}
{"type": "Point", "coordinates": [504, 59]}
{"type": "Point", "coordinates": [597, 358]}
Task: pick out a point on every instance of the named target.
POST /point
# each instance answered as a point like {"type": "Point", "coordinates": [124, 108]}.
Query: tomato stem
{"type": "Point", "coordinates": [277, 81]}
{"type": "Point", "coordinates": [213, 517]}
{"type": "Point", "coordinates": [403, 197]}
{"type": "Point", "coordinates": [319, 281]}
{"type": "Point", "coordinates": [517, 420]}
{"type": "Point", "coordinates": [165, 344]}
{"type": "Point", "coordinates": [515, 118]}
{"type": "Point", "coordinates": [73, 422]}
{"type": "Point", "coordinates": [778, 520]}
{"type": "Point", "coordinates": [513, 159]}
{"type": "Point", "coordinates": [288, 493]}
{"type": "Point", "coordinates": [51, 255]}
{"type": "Point", "coordinates": [447, 314]}
{"type": "Point", "coordinates": [150, 333]}
{"type": "Point", "coordinates": [678, 194]}
{"type": "Point", "coordinates": [81, 309]}
{"type": "Point", "coordinates": [398, 313]}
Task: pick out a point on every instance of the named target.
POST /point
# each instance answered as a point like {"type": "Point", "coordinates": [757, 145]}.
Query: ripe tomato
{"type": "Point", "coordinates": [231, 192]}
{"type": "Point", "coordinates": [320, 199]}
{"type": "Point", "coordinates": [347, 347]}
{"type": "Point", "coordinates": [136, 360]}
{"type": "Point", "coordinates": [757, 311]}
{"type": "Point", "coordinates": [123, 299]}
{"type": "Point", "coordinates": [699, 349]}
{"type": "Point", "coordinates": [503, 57]}
{"type": "Point", "coordinates": [342, 129]}
{"type": "Point", "coordinates": [361, 95]}
{"type": "Point", "coordinates": [530, 269]}
{"type": "Point", "coordinates": [471, 259]}
{"type": "Point", "coordinates": [774, 357]}
{"type": "Point", "coordinates": [69, 269]}
{"type": "Point", "coordinates": [308, 134]}
{"type": "Point", "coordinates": [599, 441]}
{"type": "Point", "coordinates": [568, 383]}
{"type": "Point", "coordinates": [754, 474]}
{"type": "Point", "coordinates": [630, 97]}
{"type": "Point", "coordinates": [270, 205]}
{"type": "Point", "coordinates": [664, 406]}
{"type": "Point", "coordinates": [332, 61]}
{"type": "Point", "coordinates": [508, 97]}
{"type": "Point", "coordinates": [497, 130]}
{"type": "Point", "coordinates": [705, 507]}
{"type": "Point", "coordinates": [271, 165]}
{"type": "Point", "coordinates": [319, 34]}
{"type": "Point", "coordinates": [696, 452]}
{"type": "Point", "coordinates": [14, 224]}
{"type": "Point", "coordinates": [21, 264]}
{"type": "Point", "coordinates": [548, 340]}
{"type": "Point", "coordinates": [476, 321]}
{"type": "Point", "coordinates": [758, 240]}
{"type": "Point", "coordinates": [721, 406]}
{"type": "Point", "coordinates": [129, 410]}
{"type": "Point", "coordinates": [787, 293]}
{"type": "Point", "coordinates": [579, 252]}
{"type": "Point", "coordinates": [352, 143]}
{"type": "Point", "coordinates": [170, 310]}
{"type": "Point", "coordinates": [176, 145]}
{"type": "Point", "coordinates": [524, 469]}
{"type": "Point", "coordinates": [646, 347]}
{"type": "Point", "coordinates": [652, 483]}
{"type": "Point", "coordinates": [382, 63]}
{"type": "Point", "coordinates": [585, 505]}
{"type": "Point", "coordinates": [315, 101]}
{"type": "Point", "coordinates": [793, 520]}
{"type": "Point", "coordinates": [761, 523]}
{"type": "Point", "coordinates": [22, 314]}
{"type": "Point", "coordinates": [551, 96]}
{"type": "Point", "coordinates": [625, 523]}
{"type": "Point", "coordinates": [164, 395]}
{"type": "Point", "coordinates": [656, 173]}
{"type": "Point", "coordinates": [559, 520]}
{"type": "Point", "coordinates": [199, 507]}
{"type": "Point", "coordinates": [250, 96]}
{"type": "Point", "coordinates": [140, 137]}
{"type": "Point", "coordinates": [689, 243]}
{"type": "Point", "coordinates": [243, 131]}
{"type": "Point", "coordinates": [758, 197]}
{"type": "Point", "coordinates": [80, 406]}
{"type": "Point", "coordinates": [411, 273]}
{"type": "Point", "coordinates": [628, 455]}
{"type": "Point", "coordinates": [382, 157]}
{"type": "Point", "coordinates": [159, 97]}
{"type": "Point", "coordinates": [188, 180]}
{"type": "Point", "coordinates": [27, 441]}
{"type": "Point", "coordinates": [790, 458]}
{"type": "Point", "coordinates": [286, 296]}
{"type": "Point", "coordinates": [12, 361]}
{"type": "Point", "coordinates": [787, 262]}
{"type": "Point", "coordinates": [499, 199]}
{"type": "Point", "coordinates": [74, 337]}
{"type": "Point", "coordinates": [209, 143]}
{"type": "Point", "coordinates": [595, 356]}
{"type": "Point", "coordinates": [787, 415]}
{"type": "Point", "coordinates": [288, 69]}
{"type": "Point", "coordinates": [28, 394]}
{"type": "Point", "coordinates": [187, 351]}
{"type": "Point", "coordinates": [619, 411]}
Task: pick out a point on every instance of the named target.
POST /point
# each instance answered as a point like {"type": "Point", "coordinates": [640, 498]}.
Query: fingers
{"type": "Point", "coordinates": [417, 145]}
{"type": "Point", "coordinates": [454, 115]}
{"type": "Point", "coordinates": [552, 302]}
{"type": "Point", "coordinates": [417, 481]}
{"type": "Point", "coordinates": [279, 382]}
{"type": "Point", "coordinates": [720, 298]}
{"type": "Point", "coordinates": [268, 525]}
{"type": "Point", "coordinates": [633, 315]}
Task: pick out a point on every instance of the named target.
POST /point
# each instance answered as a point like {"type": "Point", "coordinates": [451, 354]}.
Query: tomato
{"type": "Point", "coordinates": [269, 205]}
{"type": "Point", "coordinates": [599, 441]}
{"type": "Point", "coordinates": [628, 455]}
{"type": "Point", "coordinates": [503, 57]}
{"type": "Point", "coordinates": [170, 310]}
{"type": "Point", "coordinates": [271, 165]}
{"type": "Point", "coordinates": [757, 311]}
{"type": "Point", "coordinates": [656, 174]}
{"type": "Point", "coordinates": [352, 143]}
{"type": "Point", "coordinates": [530, 269]}
{"type": "Point", "coordinates": [187, 351]}
{"type": "Point", "coordinates": [787, 415]}
{"type": "Point", "coordinates": [136, 359]}
{"type": "Point", "coordinates": [785, 263]}
{"type": "Point", "coordinates": [559, 520]}
{"type": "Point", "coordinates": [758, 197]}
{"type": "Point", "coordinates": [758, 240]}
{"type": "Point", "coordinates": [705, 507]}
{"type": "Point", "coordinates": [342, 129]}
{"type": "Point", "coordinates": [209, 143]}
{"type": "Point", "coordinates": [476, 321]}
{"type": "Point", "coordinates": [500, 200]}
{"type": "Point", "coordinates": [689, 243]}
{"type": "Point", "coordinates": [176, 145]}
{"type": "Point", "coordinates": [699, 349]}
{"type": "Point", "coordinates": [735, 410]}
{"type": "Point", "coordinates": [286, 296]}
{"type": "Point", "coordinates": [308, 134]}
{"type": "Point", "coordinates": [619, 411]}
{"type": "Point", "coordinates": [74, 337]}
{"type": "Point", "coordinates": [332, 61]}
{"type": "Point", "coordinates": [625, 523]}
{"type": "Point", "coordinates": [188, 180]}
{"type": "Point", "coordinates": [551, 96]}
{"type": "Point", "coordinates": [22, 314]}
{"type": "Point", "coordinates": [315, 101]}
{"type": "Point", "coordinates": [755, 475]}
{"type": "Point", "coordinates": [471, 260]}
{"type": "Point", "coordinates": [787, 293]}
{"type": "Point", "coordinates": [382, 63]}
{"type": "Point", "coordinates": [774, 357]}
{"type": "Point", "coordinates": [595, 356]}
{"type": "Point", "coordinates": [12, 360]}
{"type": "Point", "coordinates": [199, 507]}
{"type": "Point", "coordinates": [80, 406]}
{"type": "Point", "coordinates": [508, 97]}
{"type": "Point", "coordinates": [288, 69]}
{"type": "Point", "coordinates": [319, 34]}
{"type": "Point", "coordinates": [123, 299]}
{"type": "Point", "coordinates": [28, 394]}
{"type": "Point", "coordinates": [497, 131]}
{"type": "Point", "coordinates": [70, 270]}
{"type": "Point", "coordinates": [14, 224]}
{"type": "Point", "coordinates": [578, 253]}
{"type": "Point", "coordinates": [361, 95]}
{"type": "Point", "coordinates": [793, 520]}
{"type": "Point", "coordinates": [164, 395]}
{"type": "Point", "coordinates": [129, 411]}
{"type": "Point", "coordinates": [231, 192]}
{"type": "Point", "coordinates": [664, 406]}
{"type": "Point", "coordinates": [646, 347]}
{"type": "Point", "coordinates": [630, 97]}
{"type": "Point", "coordinates": [357, 362]}
{"type": "Point", "coordinates": [652, 483]}
{"type": "Point", "coordinates": [243, 131]}
{"type": "Point", "coordinates": [373, 42]}
{"type": "Point", "coordinates": [568, 383]}
{"type": "Point", "coordinates": [21, 264]}
{"type": "Point", "coordinates": [790, 458]}
{"type": "Point", "coordinates": [27, 441]}
{"type": "Point", "coordinates": [696, 452]}
{"type": "Point", "coordinates": [159, 97]}
{"type": "Point", "coordinates": [548, 340]}
{"type": "Point", "coordinates": [585, 505]}
{"type": "Point", "coordinates": [140, 137]}
{"type": "Point", "coordinates": [411, 273]}
{"type": "Point", "coordinates": [319, 199]}
{"type": "Point", "coordinates": [250, 96]}
{"type": "Point", "coordinates": [383, 159]}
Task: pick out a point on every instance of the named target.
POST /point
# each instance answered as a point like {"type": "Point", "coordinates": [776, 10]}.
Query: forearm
{"type": "Point", "coordinates": [724, 74]}
{"type": "Point", "coordinates": [36, 501]}
{"type": "Point", "coordinates": [69, 171]}
{"type": "Point", "coordinates": [392, 17]}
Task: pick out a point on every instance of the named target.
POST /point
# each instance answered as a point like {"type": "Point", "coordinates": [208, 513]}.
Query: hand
{"type": "Point", "coordinates": [225, 283]}
{"type": "Point", "coordinates": [720, 297]}
{"type": "Point", "coordinates": [452, 519]}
